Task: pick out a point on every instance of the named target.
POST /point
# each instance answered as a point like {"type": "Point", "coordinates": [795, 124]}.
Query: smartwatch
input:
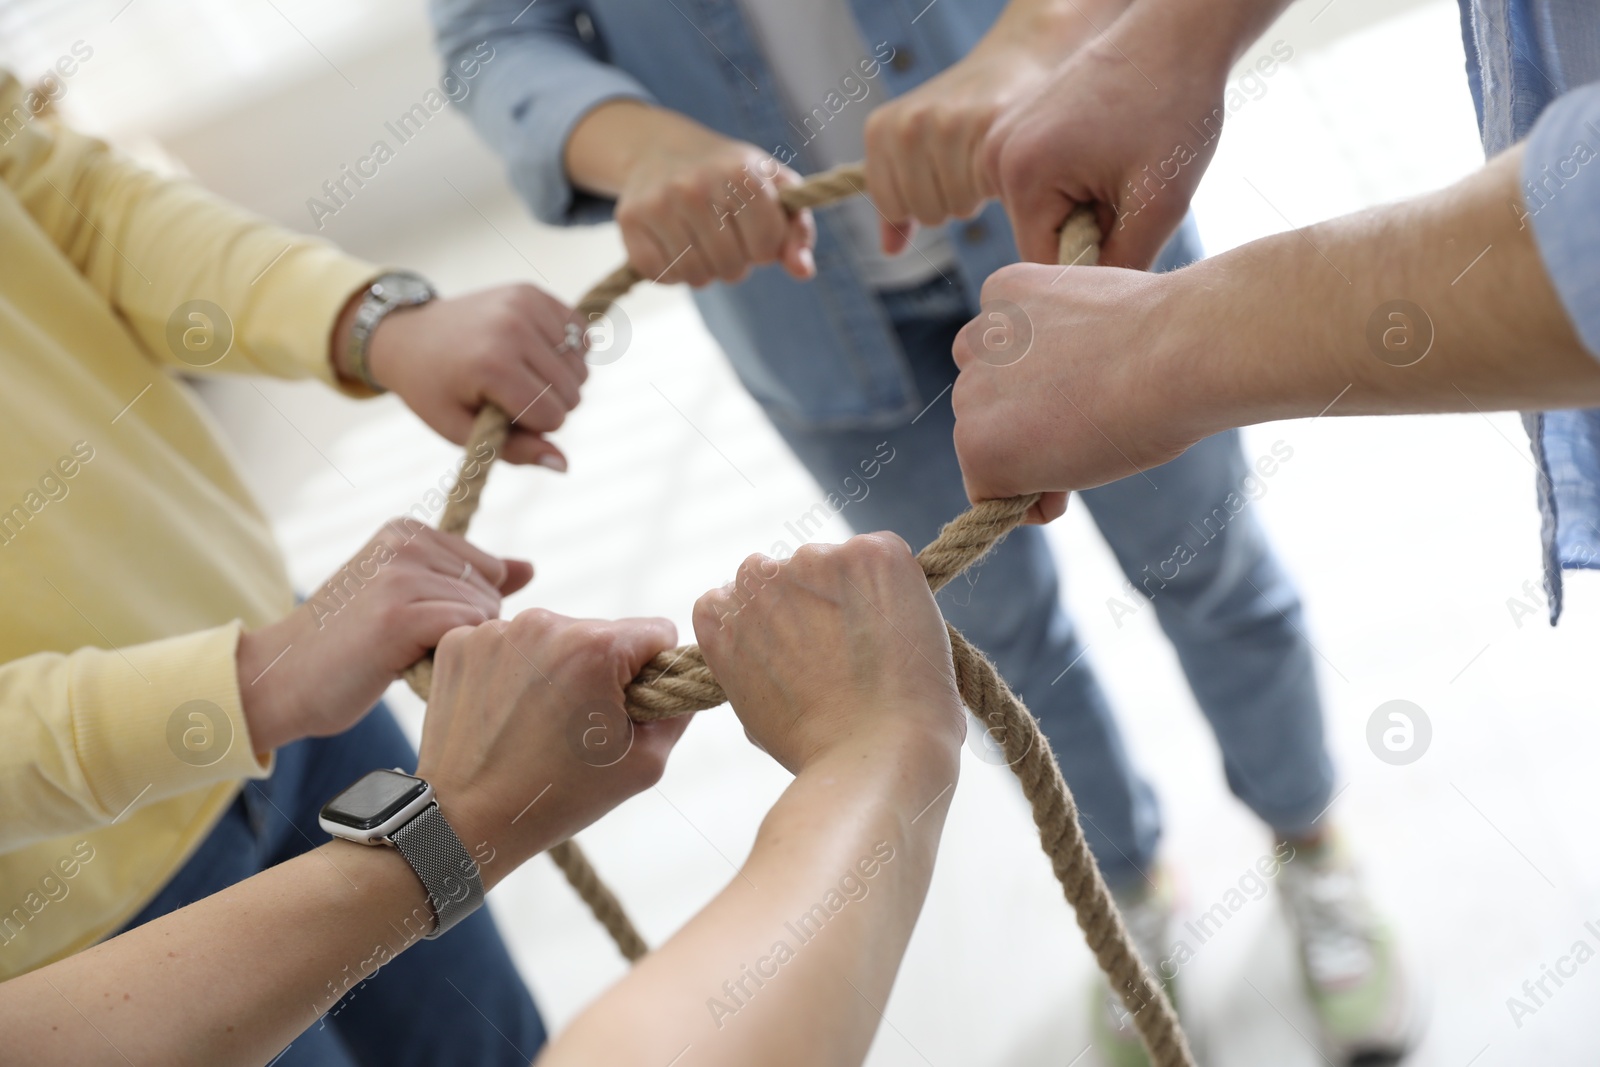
{"type": "Point", "coordinates": [396, 289]}
{"type": "Point", "coordinates": [398, 809]}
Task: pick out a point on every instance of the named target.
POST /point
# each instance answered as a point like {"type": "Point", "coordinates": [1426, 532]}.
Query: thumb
{"type": "Point", "coordinates": [797, 255]}
{"type": "Point", "coordinates": [1136, 238]}
{"type": "Point", "coordinates": [1036, 219]}
{"type": "Point", "coordinates": [895, 237]}
{"type": "Point", "coordinates": [640, 640]}
{"type": "Point", "coordinates": [1050, 507]}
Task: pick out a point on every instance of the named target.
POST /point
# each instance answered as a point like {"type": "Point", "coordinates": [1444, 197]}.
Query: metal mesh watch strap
{"type": "Point", "coordinates": [448, 872]}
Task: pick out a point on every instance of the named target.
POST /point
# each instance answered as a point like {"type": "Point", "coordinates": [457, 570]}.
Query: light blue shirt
{"type": "Point", "coordinates": [820, 354]}
{"type": "Point", "coordinates": [1533, 67]}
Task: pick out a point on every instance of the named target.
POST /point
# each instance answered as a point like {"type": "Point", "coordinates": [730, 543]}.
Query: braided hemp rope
{"type": "Point", "coordinates": [679, 682]}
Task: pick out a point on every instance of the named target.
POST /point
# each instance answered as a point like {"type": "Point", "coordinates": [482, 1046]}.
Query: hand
{"type": "Point", "coordinates": [320, 668]}
{"type": "Point", "coordinates": [697, 207]}
{"type": "Point", "coordinates": [839, 643]}
{"type": "Point", "coordinates": [1090, 402]}
{"type": "Point", "coordinates": [508, 725]}
{"type": "Point", "coordinates": [1101, 132]}
{"type": "Point", "coordinates": [925, 149]}
{"type": "Point", "coordinates": [506, 346]}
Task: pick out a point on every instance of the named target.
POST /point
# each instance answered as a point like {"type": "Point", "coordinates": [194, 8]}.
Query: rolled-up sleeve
{"type": "Point", "coordinates": [538, 77]}
{"type": "Point", "coordinates": [1561, 196]}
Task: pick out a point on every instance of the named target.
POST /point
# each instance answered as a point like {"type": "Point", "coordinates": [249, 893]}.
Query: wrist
{"type": "Point", "coordinates": [1193, 395]}
{"type": "Point", "coordinates": [482, 829]}
{"type": "Point", "coordinates": [1193, 41]}
{"type": "Point", "coordinates": [621, 141]}
{"type": "Point", "coordinates": [901, 745]}
{"type": "Point", "coordinates": [1050, 30]}
{"type": "Point", "coordinates": [269, 710]}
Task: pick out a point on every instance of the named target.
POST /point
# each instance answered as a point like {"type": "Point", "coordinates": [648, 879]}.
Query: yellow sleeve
{"type": "Point", "coordinates": [153, 246]}
{"type": "Point", "coordinates": [93, 732]}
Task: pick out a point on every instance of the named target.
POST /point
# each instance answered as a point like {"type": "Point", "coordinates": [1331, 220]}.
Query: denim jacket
{"type": "Point", "coordinates": [1533, 67]}
{"type": "Point", "coordinates": [818, 354]}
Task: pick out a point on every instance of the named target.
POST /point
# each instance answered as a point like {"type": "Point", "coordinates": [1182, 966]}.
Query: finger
{"type": "Point", "coordinates": [1051, 506]}
{"type": "Point", "coordinates": [963, 349]}
{"type": "Point", "coordinates": [959, 176]}
{"type": "Point", "coordinates": [548, 317]}
{"type": "Point", "coordinates": [526, 447]}
{"type": "Point", "coordinates": [798, 254]}
{"type": "Point", "coordinates": [890, 537]}
{"type": "Point", "coordinates": [690, 263]}
{"type": "Point", "coordinates": [925, 196]}
{"type": "Point", "coordinates": [883, 184]}
{"type": "Point", "coordinates": [449, 553]}
{"type": "Point", "coordinates": [471, 590]}
{"type": "Point", "coordinates": [532, 400]}
{"type": "Point", "coordinates": [647, 252]}
{"type": "Point", "coordinates": [640, 640]}
{"type": "Point", "coordinates": [553, 333]}
{"type": "Point", "coordinates": [1136, 238]}
{"type": "Point", "coordinates": [657, 738]}
{"type": "Point", "coordinates": [1036, 217]}
{"type": "Point", "coordinates": [800, 238]}
{"type": "Point", "coordinates": [979, 179]}
{"type": "Point", "coordinates": [427, 622]}
{"type": "Point", "coordinates": [543, 359]}
{"type": "Point", "coordinates": [891, 239]}
{"type": "Point", "coordinates": [709, 612]}
{"type": "Point", "coordinates": [519, 572]}
{"type": "Point", "coordinates": [762, 225]}
{"type": "Point", "coordinates": [455, 422]}
{"type": "Point", "coordinates": [718, 238]}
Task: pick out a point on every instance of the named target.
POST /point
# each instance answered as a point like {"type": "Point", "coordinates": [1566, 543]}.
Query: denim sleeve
{"type": "Point", "coordinates": [1561, 197]}
{"type": "Point", "coordinates": [541, 78]}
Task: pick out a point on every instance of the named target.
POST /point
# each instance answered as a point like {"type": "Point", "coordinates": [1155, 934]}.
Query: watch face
{"type": "Point", "coordinates": [402, 288]}
{"type": "Point", "coordinates": [373, 799]}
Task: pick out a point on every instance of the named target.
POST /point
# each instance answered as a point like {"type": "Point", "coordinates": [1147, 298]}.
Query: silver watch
{"type": "Point", "coordinates": [396, 289]}
{"type": "Point", "coordinates": [398, 809]}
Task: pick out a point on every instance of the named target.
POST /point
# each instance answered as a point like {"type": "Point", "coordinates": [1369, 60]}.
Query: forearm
{"type": "Point", "coordinates": [1310, 316]}
{"type": "Point", "coordinates": [231, 979]}
{"type": "Point", "coordinates": [1051, 28]}
{"type": "Point", "coordinates": [1212, 34]}
{"type": "Point", "coordinates": [813, 928]}
{"type": "Point", "coordinates": [610, 141]}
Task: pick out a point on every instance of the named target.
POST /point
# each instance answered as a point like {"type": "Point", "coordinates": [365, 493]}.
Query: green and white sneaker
{"type": "Point", "coordinates": [1147, 913]}
{"type": "Point", "coordinates": [1359, 986]}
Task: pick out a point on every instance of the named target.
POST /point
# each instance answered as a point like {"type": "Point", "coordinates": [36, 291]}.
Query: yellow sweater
{"type": "Point", "coordinates": [131, 552]}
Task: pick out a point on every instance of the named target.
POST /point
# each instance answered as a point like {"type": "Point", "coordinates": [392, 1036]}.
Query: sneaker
{"type": "Point", "coordinates": [1358, 984]}
{"type": "Point", "coordinates": [1147, 913]}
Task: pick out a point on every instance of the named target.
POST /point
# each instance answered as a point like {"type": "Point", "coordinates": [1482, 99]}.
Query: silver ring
{"type": "Point", "coordinates": [466, 571]}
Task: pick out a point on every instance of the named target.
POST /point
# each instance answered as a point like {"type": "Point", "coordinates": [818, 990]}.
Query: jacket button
{"type": "Point", "coordinates": [974, 232]}
{"type": "Point", "coordinates": [902, 60]}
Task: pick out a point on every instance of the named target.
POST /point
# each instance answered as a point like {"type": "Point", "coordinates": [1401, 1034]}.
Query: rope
{"type": "Point", "coordinates": [679, 682]}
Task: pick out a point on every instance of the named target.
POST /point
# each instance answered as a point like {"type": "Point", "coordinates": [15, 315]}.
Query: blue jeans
{"type": "Point", "coordinates": [458, 1000]}
{"type": "Point", "coordinates": [1230, 612]}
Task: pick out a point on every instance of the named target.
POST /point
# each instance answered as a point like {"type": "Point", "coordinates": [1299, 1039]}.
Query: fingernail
{"type": "Point", "coordinates": [553, 461]}
{"type": "Point", "coordinates": [808, 262]}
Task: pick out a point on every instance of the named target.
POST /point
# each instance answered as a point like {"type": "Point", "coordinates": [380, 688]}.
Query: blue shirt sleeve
{"type": "Point", "coordinates": [1561, 199]}
{"type": "Point", "coordinates": [541, 78]}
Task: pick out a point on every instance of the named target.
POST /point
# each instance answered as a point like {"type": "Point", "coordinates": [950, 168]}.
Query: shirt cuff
{"type": "Point", "coordinates": [543, 111]}
{"type": "Point", "coordinates": [159, 719]}
{"type": "Point", "coordinates": [1561, 200]}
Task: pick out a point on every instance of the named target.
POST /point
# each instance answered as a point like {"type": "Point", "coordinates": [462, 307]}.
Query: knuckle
{"type": "Point", "coordinates": [883, 546]}
{"type": "Point", "coordinates": [533, 623]}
